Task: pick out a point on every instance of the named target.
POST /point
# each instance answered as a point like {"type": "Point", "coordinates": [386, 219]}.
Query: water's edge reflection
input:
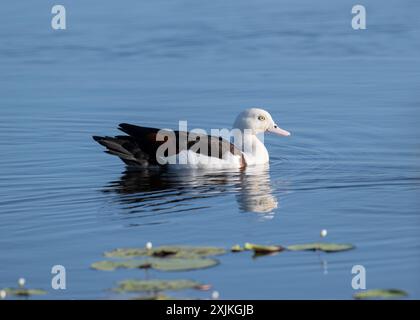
{"type": "Point", "coordinates": [159, 187]}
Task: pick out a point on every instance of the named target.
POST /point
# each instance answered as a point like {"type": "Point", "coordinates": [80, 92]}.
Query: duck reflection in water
{"type": "Point", "coordinates": [160, 188]}
{"type": "Point", "coordinates": [255, 191]}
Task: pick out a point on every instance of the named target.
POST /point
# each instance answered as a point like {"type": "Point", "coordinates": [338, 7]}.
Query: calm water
{"type": "Point", "coordinates": [350, 98]}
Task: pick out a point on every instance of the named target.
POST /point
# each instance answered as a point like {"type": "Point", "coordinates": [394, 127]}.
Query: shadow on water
{"type": "Point", "coordinates": [161, 190]}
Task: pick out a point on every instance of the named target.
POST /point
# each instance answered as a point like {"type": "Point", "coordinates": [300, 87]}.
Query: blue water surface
{"type": "Point", "coordinates": [350, 98]}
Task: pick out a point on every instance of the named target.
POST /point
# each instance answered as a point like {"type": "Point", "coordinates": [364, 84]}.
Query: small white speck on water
{"type": "Point", "coordinates": [149, 245]}
{"type": "Point", "coordinates": [324, 233]}
{"type": "Point", "coordinates": [21, 282]}
{"type": "Point", "coordinates": [215, 295]}
{"type": "Point", "coordinates": [3, 294]}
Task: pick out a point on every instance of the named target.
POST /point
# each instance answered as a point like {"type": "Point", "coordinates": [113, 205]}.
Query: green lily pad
{"type": "Point", "coordinates": [112, 265]}
{"type": "Point", "coordinates": [172, 264]}
{"type": "Point", "coordinates": [156, 285]}
{"type": "Point", "coordinates": [166, 251]}
{"type": "Point", "coordinates": [175, 264]}
{"type": "Point", "coordinates": [380, 294]}
{"type": "Point", "coordinates": [24, 292]}
{"type": "Point", "coordinates": [261, 249]}
{"type": "Point", "coordinates": [321, 246]}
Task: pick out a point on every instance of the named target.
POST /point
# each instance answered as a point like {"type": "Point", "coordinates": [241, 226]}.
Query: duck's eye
{"type": "Point", "coordinates": [262, 118]}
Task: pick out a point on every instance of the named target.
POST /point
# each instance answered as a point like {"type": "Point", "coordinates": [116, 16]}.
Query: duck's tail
{"type": "Point", "coordinates": [125, 148]}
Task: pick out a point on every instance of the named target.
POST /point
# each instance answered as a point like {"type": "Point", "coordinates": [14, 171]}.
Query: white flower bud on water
{"type": "Point", "coordinates": [3, 294]}
{"type": "Point", "coordinates": [21, 282]}
{"type": "Point", "coordinates": [324, 233]}
{"type": "Point", "coordinates": [215, 295]}
{"type": "Point", "coordinates": [149, 246]}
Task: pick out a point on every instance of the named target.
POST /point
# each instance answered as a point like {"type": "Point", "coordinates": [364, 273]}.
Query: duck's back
{"type": "Point", "coordinates": [144, 146]}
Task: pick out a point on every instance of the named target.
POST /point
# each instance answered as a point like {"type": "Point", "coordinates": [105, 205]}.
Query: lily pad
{"type": "Point", "coordinates": [321, 246]}
{"type": "Point", "coordinates": [156, 285]}
{"type": "Point", "coordinates": [262, 249]}
{"type": "Point", "coordinates": [175, 264]}
{"type": "Point", "coordinates": [172, 264]}
{"type": "Point", "coordinates": [380, 294]}
{"type": "Point", "coordinates": [24, 292]}
{"type": "Point", "coordinates": [108, 265]}
{"type": "Point", "coordinates": [166, 251]}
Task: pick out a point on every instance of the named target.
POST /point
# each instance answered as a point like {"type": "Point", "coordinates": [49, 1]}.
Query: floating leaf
{"type": "Point", "coordinates": [172, 264]}
{"type": "Point", "coordinates": [237, 248]}
{"type": "Point", "coordinates": [166, 251]}
{"type": "Point", "coordinates": [175, 264]}
{"type": "Point", "coordinates": [261, 249]}
{"type": "Point", "coordinates": [156, 285]}
{"type": "Point", "coordinates": [24, 292]}
{"type": "Point", "coordinates": [321, 246]}
{"type": "Point", "coordinates": [380, 293]}
{"type": "Point", "coordinates": [112, 265]}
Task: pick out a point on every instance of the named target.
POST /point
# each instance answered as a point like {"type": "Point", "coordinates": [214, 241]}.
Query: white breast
{"type": "Point", "coordinates": [257, 154]}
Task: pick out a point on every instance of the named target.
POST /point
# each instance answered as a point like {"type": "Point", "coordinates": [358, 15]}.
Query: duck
{"type": "Point", "coordinates": [143, 147]}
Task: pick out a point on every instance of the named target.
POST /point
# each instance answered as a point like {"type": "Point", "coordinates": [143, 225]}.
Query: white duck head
{"type": "Point", "coordinates": [258, 121]}
{"type": "Point", "coordinates": [250, 123]}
